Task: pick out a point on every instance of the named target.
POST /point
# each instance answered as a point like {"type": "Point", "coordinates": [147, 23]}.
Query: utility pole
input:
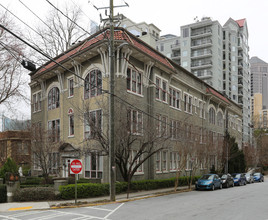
{"type": "Point", "coordinates": [112, 165]}
{"type": "Point", "coordinates": [111, 106]}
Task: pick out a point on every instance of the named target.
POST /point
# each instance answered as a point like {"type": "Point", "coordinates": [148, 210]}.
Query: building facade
{"type": "Point", "coordinates": [15, 145]}
{"type": "Point", "coordinates": [219, 56]}
{"type": "Point", "coordinates": [159, 105]}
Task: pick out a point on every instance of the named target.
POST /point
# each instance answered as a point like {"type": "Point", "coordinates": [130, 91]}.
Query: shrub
{"type": "Point", "coordinates": [84, 190]}
{"type": "Point", "coordinates": [32, 181]}
{"type": "Point", "coordinates": [87, 190]}
{"type": "Point", "coordinates": [3, 193]}
{"type": "Point", "coordinates": [9, 166]}
{"type": "Point", "coordinates": [34, 194]}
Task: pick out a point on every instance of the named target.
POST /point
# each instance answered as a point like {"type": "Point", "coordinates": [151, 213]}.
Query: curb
{"type": "Point", "coordinates": [123, 200]}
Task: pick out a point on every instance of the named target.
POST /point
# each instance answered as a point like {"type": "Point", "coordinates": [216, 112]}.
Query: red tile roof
{"type": "Point", "coordinates": [241, 22]}
{"type": "Point", "coordinates": [118, 35]}
{"type": "Point", "coordinates": [220, 96]}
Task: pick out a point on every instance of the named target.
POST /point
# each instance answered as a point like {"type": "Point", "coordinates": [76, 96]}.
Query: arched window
{"type": "Point", "coordinates": [211, 116]}
{"type": "Point", "coordinates": [93, 84]}
{"type": "Point", "coordinates": [54, 98]}
{"type": "Point", "coordinates": [220, 119]}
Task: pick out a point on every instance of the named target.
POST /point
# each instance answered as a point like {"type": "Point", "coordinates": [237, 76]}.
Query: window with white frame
{"type": "Point", "coordinates": [164, 160]}
{"type": "Point", "coordinates": [93, 165]}
{"type": "Point", "coordinates": [134, 81]}
{"type": "Point", "coordinates": [93, 84]}
{"type": "Point", "coordinates": [71, 87]}
{"type": "Point", "coordinates": [190, 104]}
{"type": "Point", "coordinates": [175, 98]}
{"type": "Point", "coordinates": [202, 109]}
{"type": "Point", "coordinates": [92, 123]}
{"type": "Point", "coordinates": [136, 161]}
{"type": "Point", "coordinates": [196, 105]}
{"type": "Point", "coordinates": [135, 121]}
{"type": "Point", "coordinates": [54, 161]}
{"type": "Point", "coordinates": [37, 102]}
{"type": "Point", "coordinates": [158, 161]}
{"type": "Point", "coordinates": [71, 122]}
{"type": "Point", "coordinates": [54, 130]}
{"type": "Point", "coordinates": [161, 89]}
{"type": "Point", "coordinates": [53, 98]}
{"type": "Point", "coordinates": [212, 116]}
{"type": "Point", "coordinates": [220, 119]}
{"type": "Point", "coordinates": [174, 161]}
{"type": "Point", "coordinates": [185, 99]}
{"type": "Point", "coordinates": [162, 125]}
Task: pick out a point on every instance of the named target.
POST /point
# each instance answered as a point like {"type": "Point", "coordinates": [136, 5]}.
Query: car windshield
{"type": "Point", "coordinates": [247, 175]}
{"type": "Point", "coordinates": [224, 176]}
{"type": "Point", "coordinates": [256, 174]}
{"type": "Point", "coordinates": [236, 175]}
{"type": "Point", "coordinates": [207, 177]}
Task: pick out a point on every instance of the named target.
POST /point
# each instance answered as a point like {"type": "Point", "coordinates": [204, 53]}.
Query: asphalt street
{"type": "Point", "coordinates": [241, 202]}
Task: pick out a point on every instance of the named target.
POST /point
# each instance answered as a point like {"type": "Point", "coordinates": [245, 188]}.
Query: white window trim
{"type": "Point", "coordinates": [33, 103]}
{"type": "Point", "coordinates": [84, 120]}
{"type": "Point", "coordinates": [180, 98]}
{"type": "Point", "coordinates": [68, 86]}
{"type": "Point", "coordinates": [161, 89]}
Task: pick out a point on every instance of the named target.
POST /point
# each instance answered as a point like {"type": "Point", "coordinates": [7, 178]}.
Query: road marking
{"type": "Point", "coordinates": [101, 209]}
{"type": "Point", "coordinates": [113, 211]}
{"type": "Point", "coordinates": [8, 218]}
{"type": "Point", "coordinates": [20, 208]}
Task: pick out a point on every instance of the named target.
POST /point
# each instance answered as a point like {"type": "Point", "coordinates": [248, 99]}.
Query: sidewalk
{"type": "Point", "coordinates": [18, 206]}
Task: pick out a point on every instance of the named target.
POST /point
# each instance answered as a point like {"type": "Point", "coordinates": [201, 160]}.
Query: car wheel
{"type": "Point", "coordinates": [213, 187]}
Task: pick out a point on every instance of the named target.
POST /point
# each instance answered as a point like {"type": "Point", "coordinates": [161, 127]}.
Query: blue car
{"type": "Point", "coordinates": [208, 181]}
{"type": "Point", "coordinates": [258, 177]}
{"type": "Point", "coordinates": [239, 179]}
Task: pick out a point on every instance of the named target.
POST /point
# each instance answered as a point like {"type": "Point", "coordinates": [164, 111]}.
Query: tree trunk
{"type": "Point", "coordinates": [177, 180]}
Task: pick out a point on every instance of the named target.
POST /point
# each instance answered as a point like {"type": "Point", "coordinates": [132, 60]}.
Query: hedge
{"type": "Point", "coordinates": [87, 190]}
{"type": "Point", "coordinates": [3, 193]}
{"type": "Point", "coordinates": [34, 194]}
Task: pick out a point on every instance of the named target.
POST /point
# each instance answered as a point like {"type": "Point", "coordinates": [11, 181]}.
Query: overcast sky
{"type": "Point", "coordinates": [167, 15]}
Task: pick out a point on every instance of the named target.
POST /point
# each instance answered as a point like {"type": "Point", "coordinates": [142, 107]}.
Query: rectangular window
{"type": "Point", "coordinates": [190, 104]}
{"type": "Point", "coordinates": [93, 165]}
{"type": "Point", "coordinates": [158, 161]}
{"type": "Point", "coordinates": [71, 125]}
{"type": "Point", "coordinates": [135, 121]}
{"type": "Point", "coordinates": [92, 124]}
{"type": "Point", "coordinates": [164, 160]}
{"type": "Point", "coordinates": [174, 99]}
{"type": "Point", "coordinates": [136, 161]}
{"type": "Point", "coordinates": [185, 102]}
{"type": "Point", "coordinates": [185, 32]}
{"type": "Point", "coordinates": [71, 87]}
{"type": "Point", "coordinates": [37, 102]}
{"type": "Point", "coordinates": [54, 130]}
{"type": "Point", "coordinates": [174, 161]}
{"type": "Point", "coordinates": [134, 81]}
{"type": "Point", "coordinates": [161, 89]}
{"type": "Point", "coordinates": [162, 126]}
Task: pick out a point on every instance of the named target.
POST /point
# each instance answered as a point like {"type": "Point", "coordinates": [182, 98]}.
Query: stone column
{"type": "Point", "coordinates": [12, 186]}
{"type": "Point", "coordinates": [58, 183]}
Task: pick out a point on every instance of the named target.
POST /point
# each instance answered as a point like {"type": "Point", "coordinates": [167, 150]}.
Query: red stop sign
{"type": "Point", "coordinates": [76, 166]}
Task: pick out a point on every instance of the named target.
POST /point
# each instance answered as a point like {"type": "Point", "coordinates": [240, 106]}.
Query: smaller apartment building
{"type": "Point", "coordinates": [155, 99]}
{"type": "Point", "coordinates": [15, 145]}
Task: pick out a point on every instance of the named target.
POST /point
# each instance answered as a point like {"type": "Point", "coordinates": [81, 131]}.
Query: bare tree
{"type": "Point", "coordinates": [45, 150]}
{"type": "Point", "coordinates": [11, 73]}
{"type": "Point", "coordinates": [58, 31]}
{"type": "Point", "coordinates": [135, 139]}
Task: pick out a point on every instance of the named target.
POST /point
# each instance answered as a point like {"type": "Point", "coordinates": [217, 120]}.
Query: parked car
{"type": "Point", "coordinates": [239, 179]}
{"type": "Point", "coordinates": [258, 177]}
{"type": "Point", "coordinates": [227, 180]}
{"type": "Point", "coordinates": [249, 178]}
{"type": "Point", "coordinates": [208, 181]}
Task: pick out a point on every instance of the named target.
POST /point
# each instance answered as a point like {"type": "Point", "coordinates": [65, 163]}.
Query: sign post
{"type": "Point", "coordinates": [76, 168]}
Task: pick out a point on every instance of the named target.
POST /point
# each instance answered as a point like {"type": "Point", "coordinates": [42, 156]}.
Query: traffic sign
{"type": "Point", "coordinates": [76, 166]}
